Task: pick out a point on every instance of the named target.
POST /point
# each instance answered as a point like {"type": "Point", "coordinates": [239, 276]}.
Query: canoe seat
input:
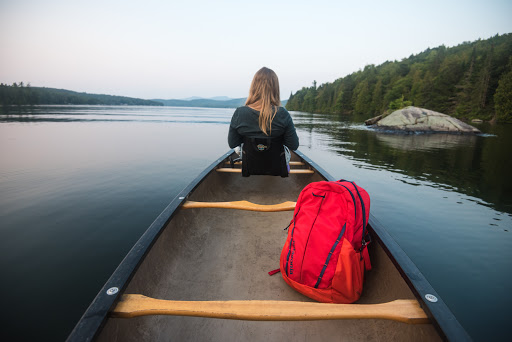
{"type": "Point", "coordinates": [297, 163]}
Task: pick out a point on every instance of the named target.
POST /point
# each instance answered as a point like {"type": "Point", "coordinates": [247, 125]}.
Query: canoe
{"type": "Point", "coordinates": [200, 272]}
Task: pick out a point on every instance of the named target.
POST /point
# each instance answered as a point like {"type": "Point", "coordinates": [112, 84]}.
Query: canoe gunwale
{"type": "Point", "coordinates": [440, 315]}
{"type": "Point", "coordinates": [91, 323]}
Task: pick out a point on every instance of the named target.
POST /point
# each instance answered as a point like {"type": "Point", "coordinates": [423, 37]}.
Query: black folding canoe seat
{"type": "Point", "coordinates": [264, 156]}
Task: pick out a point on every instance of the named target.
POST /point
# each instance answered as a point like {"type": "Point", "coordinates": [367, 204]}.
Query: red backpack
{"type": "Point", "coordinates": [325, 254]}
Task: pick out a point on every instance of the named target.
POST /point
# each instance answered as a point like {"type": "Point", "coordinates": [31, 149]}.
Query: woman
{"type": "Point", "coordinates": [262, 116]}
{"type": "Point", "coordinates": [263, 128]}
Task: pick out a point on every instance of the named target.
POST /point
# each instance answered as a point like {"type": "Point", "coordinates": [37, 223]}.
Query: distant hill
{"type": "Point", "coordinates": [209, 103]}
{"type": "Point", "coordinates": [221, 98]}
{"type": "Point", "coordinates": [215, 102]}
{"type": "Point", "coordinates": [191, 98]}
{"type": "Point", "coordinates": [19, 94]}
{"type": "Point", "coordinates": [471, 80]}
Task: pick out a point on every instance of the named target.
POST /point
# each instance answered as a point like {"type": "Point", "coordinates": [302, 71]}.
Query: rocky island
{"type": "Point", "coordinates": [414, 119]}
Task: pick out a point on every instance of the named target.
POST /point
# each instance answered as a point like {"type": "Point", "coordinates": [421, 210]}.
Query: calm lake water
{"type": "Point", "coordinates": [80, 184]}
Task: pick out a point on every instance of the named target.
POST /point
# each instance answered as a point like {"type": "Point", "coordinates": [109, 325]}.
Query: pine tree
{"type": "Point", "coordinates": [362, 94]}
{"type": "Point", "coordinates": [376, 105]}
{"type": "Point", "coordinates": [465, 86]}
{"type": "Point", "coordinates": [503, 97]}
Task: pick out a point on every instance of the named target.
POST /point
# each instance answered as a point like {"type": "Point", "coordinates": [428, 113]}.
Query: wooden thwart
{"type": "Point", "coordinates": [228, 169]}
{"type": "Point", "coordinates": [403, 310]}
{"type": "Point", "coordinates": [290, 163]}
{"type": "Point", "coordinates": [242, 205]}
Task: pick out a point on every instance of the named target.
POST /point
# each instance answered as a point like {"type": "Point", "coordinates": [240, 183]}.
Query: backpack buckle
{"type": "Point", "coordinates": [365, 242]}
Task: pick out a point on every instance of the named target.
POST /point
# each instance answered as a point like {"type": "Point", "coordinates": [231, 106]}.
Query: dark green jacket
{"type": "Point", "coordinates": [245, 123]}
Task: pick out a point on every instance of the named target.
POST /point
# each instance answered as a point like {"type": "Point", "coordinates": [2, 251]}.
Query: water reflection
{"type": "Point", "coordinates": [478, 166]}
{"type": "Point", "coordinates": [426, 142]}
{"type": "Point", "coordinates": [85, 113]}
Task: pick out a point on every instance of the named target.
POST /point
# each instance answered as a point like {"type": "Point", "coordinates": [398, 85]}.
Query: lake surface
{"type": "Point", "coordinates": [80, 184]}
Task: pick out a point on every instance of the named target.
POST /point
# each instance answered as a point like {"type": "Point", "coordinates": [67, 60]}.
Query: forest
{"type": "Point", "coordinates": [21, 94]}
{"type": "Point", "coordinates": [470, 81]}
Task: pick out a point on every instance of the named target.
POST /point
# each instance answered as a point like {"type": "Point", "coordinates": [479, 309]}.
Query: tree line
{"type": "Point", "coordinates": [21, 94]}
{"type": "Point", "coordinates": [471, 80]}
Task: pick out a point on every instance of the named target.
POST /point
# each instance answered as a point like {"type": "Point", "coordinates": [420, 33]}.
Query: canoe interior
{"type": "Point", "coordinates": [223, 254]}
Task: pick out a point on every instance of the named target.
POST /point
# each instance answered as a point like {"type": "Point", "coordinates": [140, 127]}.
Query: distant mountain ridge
{"type": "Point", "coordinates": [216, 98]}
{"type": "Point", "coordinates": [214, 102]}
{"type": "Point", "coordinates": [201, 102]}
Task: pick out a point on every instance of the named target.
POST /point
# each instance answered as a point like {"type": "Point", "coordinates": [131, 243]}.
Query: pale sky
{"type": "Point", "coordinates": [177, 49]}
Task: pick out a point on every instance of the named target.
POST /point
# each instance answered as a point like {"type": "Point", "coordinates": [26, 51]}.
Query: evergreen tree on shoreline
{"type": "Point", "coordinates": [461, 81]}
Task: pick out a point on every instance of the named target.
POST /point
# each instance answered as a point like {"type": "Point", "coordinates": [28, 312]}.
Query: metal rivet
{"type": "Point", "coordinates": [431, 298]}
{"type": "Point", "coordinates": [112, 291]}
{"type": "Point", "coordinates": [182, 197]}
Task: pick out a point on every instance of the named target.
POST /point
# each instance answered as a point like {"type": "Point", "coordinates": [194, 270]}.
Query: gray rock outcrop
{"type": "Point", "coordinates": [414, 119]}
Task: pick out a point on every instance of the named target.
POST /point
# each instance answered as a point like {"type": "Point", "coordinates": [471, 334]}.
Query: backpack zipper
{"type": "Point", "coordinates": [291, 243]}
{"type": "Point", "coordinates": [329, 256]}
{"type": "Point", "coordinates": [311, 229]}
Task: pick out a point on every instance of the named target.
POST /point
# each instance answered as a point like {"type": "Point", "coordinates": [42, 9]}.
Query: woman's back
{"type": "Point", "coordinates": [245, 122]}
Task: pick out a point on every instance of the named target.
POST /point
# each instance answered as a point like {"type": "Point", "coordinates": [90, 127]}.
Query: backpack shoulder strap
{"type": "Point", "coordinates": [364, 250]}
{"type": "Point", "coordinates": [363, 242]}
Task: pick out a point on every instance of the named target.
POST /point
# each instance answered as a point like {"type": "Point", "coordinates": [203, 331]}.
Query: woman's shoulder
{"type": "Point", "coordinates": [244, 108]}
{"type": "Point", "coordinates": [282, 112]}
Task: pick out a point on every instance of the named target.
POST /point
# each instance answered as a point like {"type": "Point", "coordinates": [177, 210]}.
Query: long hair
{"type": "Point", "coordinates": [264, 97]}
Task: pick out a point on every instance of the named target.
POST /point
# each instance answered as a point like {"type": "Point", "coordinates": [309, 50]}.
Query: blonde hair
{"type": "Point", "coordinates": [264, 97]}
